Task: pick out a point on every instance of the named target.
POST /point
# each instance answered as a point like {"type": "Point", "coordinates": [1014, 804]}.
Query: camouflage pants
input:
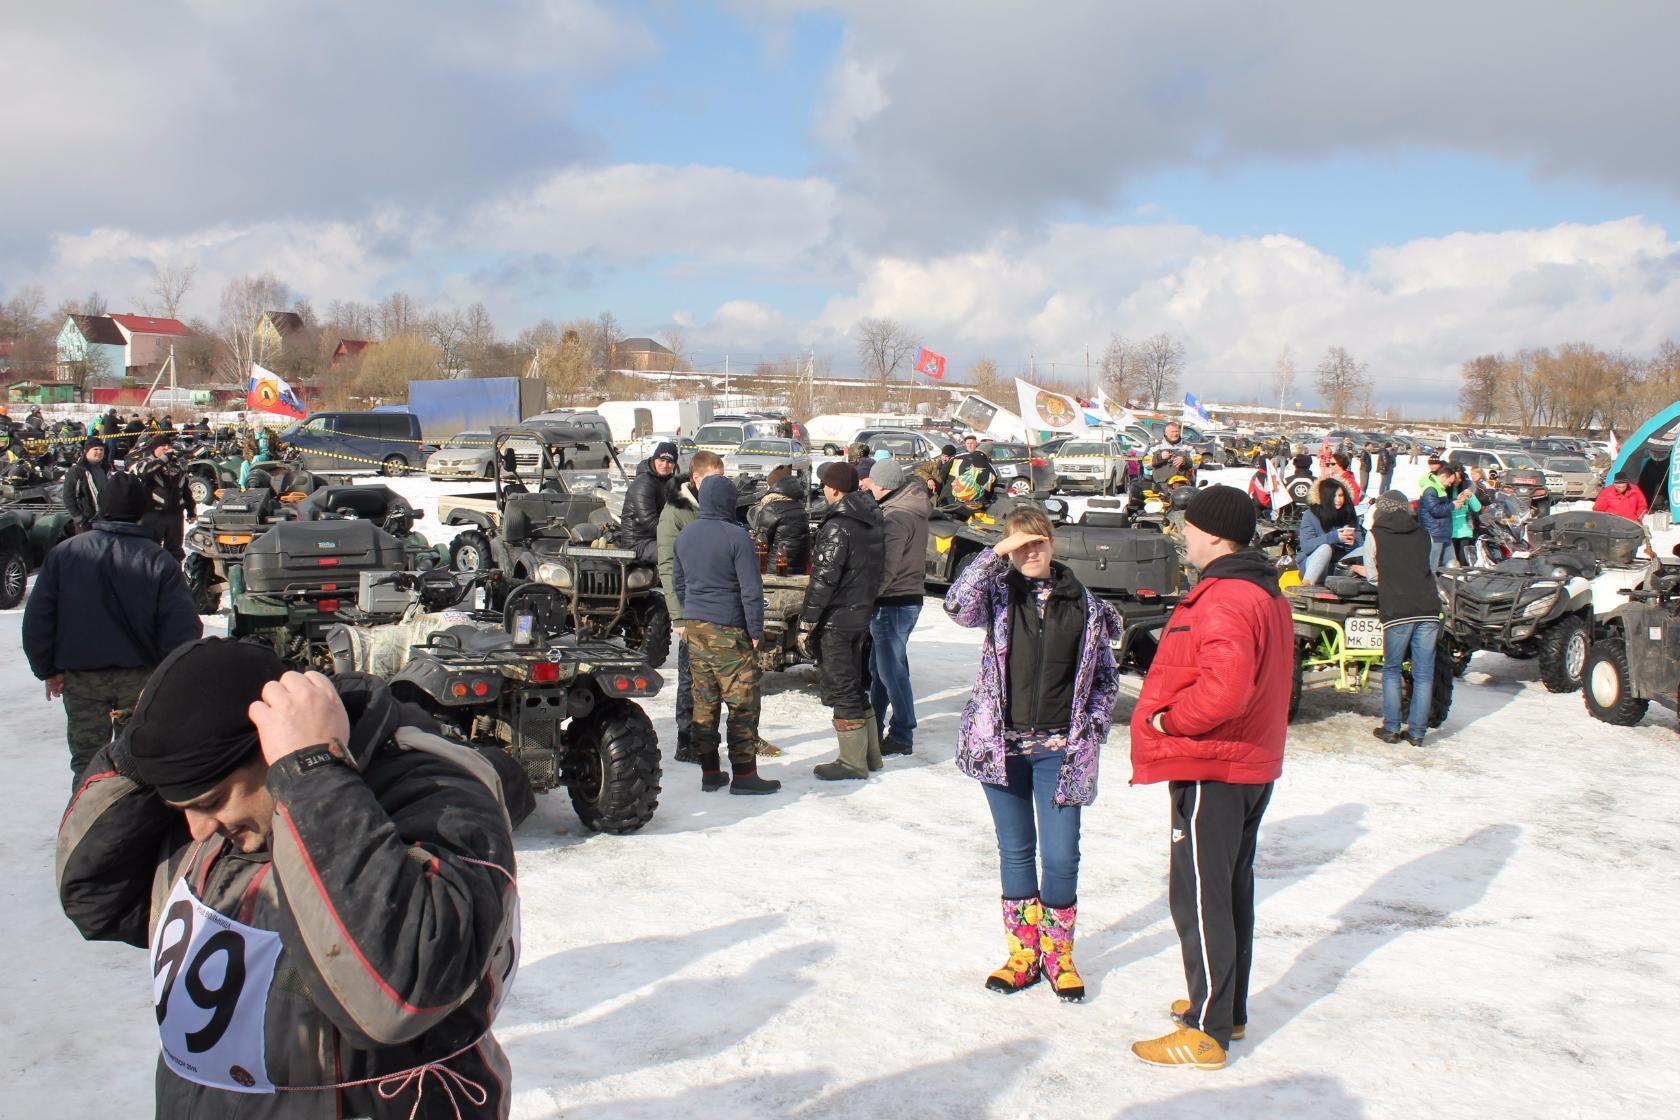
{"type": "Point", "coordinates": [96, 705]}
{"type": "Point", "coordinates": [723, 669]}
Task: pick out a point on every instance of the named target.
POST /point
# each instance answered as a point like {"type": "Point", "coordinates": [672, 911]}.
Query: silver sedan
{"type": "Point", "coordinates": [756, 458]}
{"type": "Point", "coordinates": [468, 455]}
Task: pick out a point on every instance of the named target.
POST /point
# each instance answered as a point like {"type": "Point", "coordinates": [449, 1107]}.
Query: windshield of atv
{"type": "Point", "coordinates": [770, 447]}
{"type": "Point", "coordinates": [469, 439]}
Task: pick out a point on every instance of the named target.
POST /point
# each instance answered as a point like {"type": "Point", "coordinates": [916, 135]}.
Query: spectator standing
{"type": "Point", "coordinates": [972, 475]}
{"type": "Point", "coordinates": [168, 498]}
{"type": "Point", "coordinates": [680, 512]}
{"type": "Point", "coordinates": [1409, 605]}
{"type": "Point", "coordinates": [107, 607]}
{"type": "Point", "coordinates": [1465, 503]}
{"type": "Point", "coordinates": [1032, 731]}
{"type": "Point", "coordinates": [644, 501]}
{"type": "Point", "coordinates": [1301, 463]}
{"type": "Point", "coordinates": [1363, 465]}
{"type": "Point", "coordinates": [329, 900]}
{"type": "Point", "coordinates": [905, 511]}
{"type": "Point", "coordinates": [1385, 467]}
{"type": "Point", "coordinates": [1210, 722]}
{"type": "Point", "coordinates": [1622, 498]}
{"type": "Point", "coordinates": [779, 522]}
{"type": "Point", "coordinates": [1435, 509]}
{"type": "Point", "coordinates": [84, 483]}
{"type": "Point", "coordinates": [722, 593]}
{"type": "Point", "coordinates": [846, 563]}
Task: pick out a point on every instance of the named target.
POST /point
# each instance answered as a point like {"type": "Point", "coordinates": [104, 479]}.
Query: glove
{"type": "Point", "coordinates": [807, 641]}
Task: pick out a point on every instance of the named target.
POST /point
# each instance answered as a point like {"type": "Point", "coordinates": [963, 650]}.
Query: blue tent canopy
{"type": "Point", "coordinates": [1649, 454]}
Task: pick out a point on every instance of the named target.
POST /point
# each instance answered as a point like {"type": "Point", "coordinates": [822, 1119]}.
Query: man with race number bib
{"type": "Point", "coordinates": [325, 888]}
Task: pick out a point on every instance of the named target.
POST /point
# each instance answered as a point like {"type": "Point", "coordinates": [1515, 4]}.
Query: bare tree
{"type": "Point", "coordinates": [1118, 369]}
{"type": "Point", "coordinates": [603, 352]}
{"type": "Point", "coordinates": [387, 369]}
{"type": "Point", "coordinates": [447, 331]}
{"type": "Point", "coordinates": [987, 381]}
{"type": "Point", "coordinates": [1525, 382]}
{"type": "Point", "coordinates": [398, 314]}
{"type": "Point", "coordinates": [1283, 378]}
{"type": "Point", "coordinates": [1479, 396]}
{"type": "Point", "coordinates": [244, 301]}
{"type": "Point", "coordinates": [1341, 380]}
{"type": "Point", "coordinates": [169, 286]}
{"type": "Point", "coordinates": [1160, 364]}
{"type": "Point", "coordinates": [883, 345]}
{"type": "Point", "coordinates": [675, 339]}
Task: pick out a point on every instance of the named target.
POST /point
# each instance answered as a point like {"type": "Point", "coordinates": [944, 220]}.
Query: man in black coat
{"type": "Point", "coordinates": [846, 571]}
{"type": "Point", "coordinates": [106, 608]}
{"type": "Point", "coordinates": [644, 500]}
{"type": "Point", "coordinates": [168, 497]}
{"type": "Point", "coordinates": [83, 485]}
{"type": "Point", "coordinates": [779, 520]}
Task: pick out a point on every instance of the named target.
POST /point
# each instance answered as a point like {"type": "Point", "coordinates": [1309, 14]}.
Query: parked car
{"type": "Point", "coordinates": [1519, 474]}
{"type": "Point", "coordinates": [1570, 476]}
{"type": "Point", "coordinates": [1098, 465]}
{"type": "Point", "coordinates": [756, 458]}
{"type": "Point", "coordinates": [1021, 471]}
{"type": "Point", "coordinates": [467, 455]}
{"type": "Point", "coordinates": [1551, 445]}
{"type": "Point", "coordinates": [573, 418]}
{"type": "Point", "coordinates": [724, 436]}
{"type": "Point", "coordinates": [639, 449]}
{"type": "Point", "coordinates": [903, 443]}
{"type": "Point", "coordinates": [348, 441]}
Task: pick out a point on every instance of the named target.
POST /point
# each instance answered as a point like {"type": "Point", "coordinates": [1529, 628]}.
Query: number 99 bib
{"type": "Point", "coordinates": [210, 979]}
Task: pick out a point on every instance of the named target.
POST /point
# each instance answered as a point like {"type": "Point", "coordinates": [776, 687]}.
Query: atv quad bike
{"type": "Point", "coordinates": [1545, 605]}
{"type": "Point", "coordinates": [560, 538]}
{"type": "Point", "coordinates": [1136, 571]}
{"type": "Point", "coordinates": [28, 530]}
{"type": "Point", "coordinates": [522, 680]}
{"type": "Point", "coordinates": [217, 543]}
{"type": "Point", "coordinates": [1339, 644]}
{"type": "Point", "coordinates": [1636, 658]}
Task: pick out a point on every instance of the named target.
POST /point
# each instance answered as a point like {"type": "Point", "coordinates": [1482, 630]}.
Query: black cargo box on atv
{"type": "Point", "coordinates": [1610, 539]}
{"type": "Point", "coordinates": [308, 555]}
{"type": "Point", "coordinates": [244, 509]}
{"type": "Point", "coordinates": [1108, 559]}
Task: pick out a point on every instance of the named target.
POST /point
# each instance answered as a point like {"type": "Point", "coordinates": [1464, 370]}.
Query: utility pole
{"type": "Point", "coordinates": [726, 382]}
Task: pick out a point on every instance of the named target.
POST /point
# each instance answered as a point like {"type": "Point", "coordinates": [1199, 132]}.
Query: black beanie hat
{"type": "Point", "coordinates": [190, 729]}
{"type": "Point", "coordinates": [842, 476]}
{"type": "Point", "coordinates": [1223, 511]}
{"type": "Point", "coordinates": [665, 450]}
{"type": "Point", "coordinates": [123, 499]}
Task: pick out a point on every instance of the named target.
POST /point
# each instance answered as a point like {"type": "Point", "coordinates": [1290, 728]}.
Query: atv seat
{"type": "Point", "coordinates": [1349, 587]}
{"type": "Point", "coordinates": [1104, 519]}
{"type": "Point", "coordinates": [477, 639]}
{"type": "Point", "coordinates": [370, 503]}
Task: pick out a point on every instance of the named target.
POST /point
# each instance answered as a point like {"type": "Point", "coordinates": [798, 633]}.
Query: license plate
{"type": "Point", "coordinates": [1364, 633]}
{"type": "Point", "coordinates": [1005, 472]}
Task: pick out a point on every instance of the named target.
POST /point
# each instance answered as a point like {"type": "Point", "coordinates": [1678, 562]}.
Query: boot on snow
{"type": "Point", "coordinates": [873, 756]}
{"type": "Point", "coordinates": [853, 762]}
{"type": "Point", "coordinates": [685, 747]}
{"type": "Point", "coordinates": [1056, 945]}
{"type": "Point", "coordinates": [1021, 917]}
{"type": "Point", "coordinates": [712, 777]}
{"type": "Point", "coordinates": [746, 779]}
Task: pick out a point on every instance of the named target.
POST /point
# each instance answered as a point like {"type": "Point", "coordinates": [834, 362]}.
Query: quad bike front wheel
{"type": "Point", "coordinates": [14, 577]}
{"type": "Point", "coordinates": [206, 597]}
{"type": "Point", "coordinates": [1563, 654]}
{"type": "Point", "coordinates": [611, 767]}
{"type": "Point", "coordinates": [650, 630]}
{"type": "Point", "coordinates": [1440, 690]}
{"type": "Point", "coordinates": [1607, 687]}
{"type": "Point", "coordinates": [470, 552]}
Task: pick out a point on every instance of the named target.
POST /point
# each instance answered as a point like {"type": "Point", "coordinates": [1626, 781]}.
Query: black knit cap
{"type": "Point", "coordinates": [123, 499]}
{"type": "Point", "coordinates": [842, 476]}
{"type": "Point", "coordinates": [1223, 511]}
{"type": "Point", "coordinates": [665, 450]}
{"type": "Point", "coordinates": [190, 729]}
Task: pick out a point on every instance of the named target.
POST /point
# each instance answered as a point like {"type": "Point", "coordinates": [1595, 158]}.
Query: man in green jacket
{"type": "Point", "coordinates": [681, 511]}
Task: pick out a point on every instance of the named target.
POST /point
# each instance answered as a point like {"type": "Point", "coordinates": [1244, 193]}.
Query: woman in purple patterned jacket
{"type": "Point", "coordinates": [1039, 713]}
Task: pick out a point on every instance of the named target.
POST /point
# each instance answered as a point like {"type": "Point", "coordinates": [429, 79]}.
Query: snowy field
{"type": "Point", "coordinates": [1482, 928]}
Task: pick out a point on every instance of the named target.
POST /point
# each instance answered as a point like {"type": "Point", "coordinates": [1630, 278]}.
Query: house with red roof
{"type": "Point", "coordinates": [349, 351]}
{"type": "Point", "coordinates": [147, 341]}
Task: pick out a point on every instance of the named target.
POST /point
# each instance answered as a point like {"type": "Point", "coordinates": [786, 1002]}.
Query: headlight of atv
{"type": "Point", "coordinates": [1540, 606]}
{"type": "Point", "coordinates": [639, 579]}
{"type": "Point", "coordinates": [199, 540]}
{"type": "Point", "coordinates": [555, 575]}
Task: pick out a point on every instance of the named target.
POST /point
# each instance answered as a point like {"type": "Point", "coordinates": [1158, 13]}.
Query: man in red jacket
{"type": "Point", "coordinates": [1622, 498]}
{"type": "Point", "coordinates": [1210, 722]}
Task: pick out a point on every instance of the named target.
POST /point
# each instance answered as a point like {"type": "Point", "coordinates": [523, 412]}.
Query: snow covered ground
{"type": "Point", "coordinates": [1483, 927]}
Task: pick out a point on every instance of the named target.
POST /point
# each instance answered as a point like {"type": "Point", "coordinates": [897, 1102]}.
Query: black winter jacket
{"type": "Point", "coordinates": [1043, 652]}
{"type": "Point", "coordinates": [166, 487]}
{"type": "Point", "coordinates": [107, 599]}
{"type": "Point", "coordinates": [390, 882]}
{"type": "Point", "coordinates": [644, 500]}
{"type": "Point", "coordinates": [846, 565]}
{"type": "Point", "coordinates": [82, 486]}
{"type": "Point", "coordinates": [780, 521]}
{"type": "Point", "coordinates": [1406, 590]}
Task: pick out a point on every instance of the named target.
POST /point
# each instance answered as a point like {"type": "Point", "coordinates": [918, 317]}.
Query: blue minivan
{"type": "Point", "coordinates": [348, 441]}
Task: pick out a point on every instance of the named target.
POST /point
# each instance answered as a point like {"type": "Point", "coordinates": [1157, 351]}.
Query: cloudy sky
{"type": "Point", "coordinates": [1419, 183]}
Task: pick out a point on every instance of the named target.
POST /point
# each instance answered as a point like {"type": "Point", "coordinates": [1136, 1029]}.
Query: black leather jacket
{"type": "Point", "coordinates": [846, 565]}
{"type": "Point", "coordinates": [644, 500]}
{"type": "Point", "coordinates": [780, 521]}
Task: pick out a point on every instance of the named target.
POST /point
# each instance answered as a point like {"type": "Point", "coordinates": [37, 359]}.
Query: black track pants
{"type": "Point", "coordinates": [1214, 827]}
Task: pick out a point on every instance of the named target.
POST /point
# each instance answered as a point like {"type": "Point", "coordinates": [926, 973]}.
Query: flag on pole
{"type": "Point", "coordinates": [931, 364]}
{"type": "Point", "coordinates": [1615, 445]}
{"type": "Point", "coordinates": [267, 391]}
{"type": "Point", "coordinates": [1274, 483]}
{"type": "Point", "coordinates": [1046, 411]}
{"type": "Point", "coordinates": [1194, 413]}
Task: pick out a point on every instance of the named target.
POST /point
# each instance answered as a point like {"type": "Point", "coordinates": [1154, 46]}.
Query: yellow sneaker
{"type": "Point", "coordinates": [1184, 1048]}
{"type": "Point", "coordinates": [1181, 1007]}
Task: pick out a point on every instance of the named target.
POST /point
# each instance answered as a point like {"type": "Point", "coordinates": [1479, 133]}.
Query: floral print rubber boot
{"type": "Point", "coordinates": [1021, 917]}
{"type": "Point", "coordinates": [1056, 942]}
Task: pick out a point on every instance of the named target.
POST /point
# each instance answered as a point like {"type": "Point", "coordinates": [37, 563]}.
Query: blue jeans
{"type": "Point", "coordinates": [1414, 641]}
{"type": "Point", "coordinates": [889, 672]}
{"type": "Point", "coordinates": [1440, 553]}
{"type": "Point", "coordinates": [1022, 842]}
{"type": "Point", "coordinates": [1316, 564]}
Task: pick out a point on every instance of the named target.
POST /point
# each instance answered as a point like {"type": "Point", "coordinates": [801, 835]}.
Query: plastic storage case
{"type": "Point", "coordinates": [309, 555]}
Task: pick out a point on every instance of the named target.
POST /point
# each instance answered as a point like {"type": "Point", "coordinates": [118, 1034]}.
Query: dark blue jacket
{"type": "Point", "coordinates": [1313, 533]}
{"type": "Point", "coordinates": [1435, 509]}
{"type": "Point", "coordinates": [107, 599]}
{"type": "Point", "coordinates": [715, 568]}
